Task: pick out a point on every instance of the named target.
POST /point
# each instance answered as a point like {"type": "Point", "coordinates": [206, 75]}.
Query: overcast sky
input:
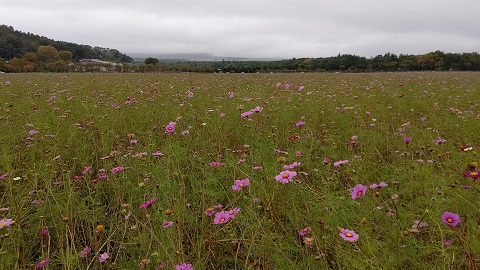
{"type": "Point", "coordinates": [260, 28]}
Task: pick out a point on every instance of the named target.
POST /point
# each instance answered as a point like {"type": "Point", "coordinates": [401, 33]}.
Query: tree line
{"type": "Point", "coordinates": [15, 44]}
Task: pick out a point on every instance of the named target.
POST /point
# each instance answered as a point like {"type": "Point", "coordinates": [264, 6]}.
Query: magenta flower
{"type": "Point", "coordinates": [440, 141]}
{"type": "Point", "coordinates": [305, 231]}
{"type": "Point", "coordinates": [221, 217]}
{"type": "Point", "coordinates": [5, 222]}
{"type": "Point", "coordinates": [246, 114]}
{"type": "Point", "coordinates": [233, 212]}
{"type": "Point", "coordinates": [340, 163]}
{"type": "Point", "coordinates": [209, 211]}
{"type": "Point", "coordinates": [148, 203]}
{"type": "Point", "coordinates": [102, 258]}
{"type": "Point", "coordinates": [43, 263]}
{"type": "Point", "coordinates": [133, 142]}
{"type": "Point", "coordinates": [381, 184]}
{"type": "Point", "coordinates": [358, 191]}
{"type": "Point", "coordinates": [447, 242]}
{"type": "Point", "coordinates": [167, 224]}
{"type": "Point", "coordinates": [86, 250]}
{"type": "Point", "coordinates": [285, 176]}
{"type": "Point", "coordinates": [215, 164]}
{"type": "Point", "coordinates": [157, 154]}
{"type": "Point", "coordinates": [326, 160]}
{"type": "Point", "coordinates": [184, 266]}
{"type": "Point", "coordinates": [407, 139]}
{"type": "Point", "coordinates": [474, 174]}
{"type": "Point", "coordinates": [239, 184]}
{"type": "Point", "coordinates": [348, 235]}
{"type": "Point", "coordinates": [32, 132]}
{"type": "Point", "coordinates": [117, 169]}
{"type": "Point", "coordinates": [300, 123]}
{"type": "Point", "coordinates": [450, 218]}
{"type": "Point", "coordinates": [170, 128]}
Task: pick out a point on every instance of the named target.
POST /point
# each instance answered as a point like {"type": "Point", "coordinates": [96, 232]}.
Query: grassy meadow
{"type": "Point", "coordinates": [240, 171]}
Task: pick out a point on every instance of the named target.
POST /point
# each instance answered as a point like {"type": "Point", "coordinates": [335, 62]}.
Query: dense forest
{"type": "Point", "coordinates": [26, 52]}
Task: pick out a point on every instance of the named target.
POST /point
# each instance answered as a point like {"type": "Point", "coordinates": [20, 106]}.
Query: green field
{"type": "Point", "coordinates": [240, 171]}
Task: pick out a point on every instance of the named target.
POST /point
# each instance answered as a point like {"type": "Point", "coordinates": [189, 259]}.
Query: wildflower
{"type": "Point", "coordinates": [301, 123]}
{"type": "Point", "coordinates": [381, 184]}
{"type": "Point", "coordinates": [218, 206]}
{"type": "Point", "coordinates": [299, 154]}
{"type": "Point", "coordinates": [99, 228]}
{"type": "Point", "coordinates": [440, 141]}
{"type": "Point", "coordinates": [285, 176]}
{"type": "Point", "coordinates": [148, 203]}
{"type": "Point", "coordinates": [326, 160]}
{"type": "Point", "coordinates": [358, 191]}
{"type": "Point", "coordinates": [86, 170]}
{"type": "Point", "coordinates": [447, 242]}
{"type": "Point", "coordinates": [86, 250]}
{"type": "Point", "coordinates": [209, 211]}
{"type": "Point", "coordinates": [308, 241]}
{"type": "Point", "coordinates": [170, 128]}
{"type": "Point", "coordinates": [246, 114]}
{"type": "Point", "coordinates": [474, 174]}
{"type": "Point", "coordinates": [407, 140]}
{"type": "Point", "coordinates": [348, 235]}
{"type": "Point", "coordinates": [32, 132]}
{"type": "Point", "coordinates": [144, 261]}
{"type": "Point", "coordinates": [185, 132]}
{"type": "Point", "coordinates": [233, 212]}
{"type": "Point", "coordinates": [102, 258]}
{"type": "Point", "coordinates": [257, 168]}
{"type": "Point", "coordinates": [133, 142]}
{"type": "Point", "coordinates": [215, 164]}
{"type": "Point", "coordinates": [168, 212]}
{"type": "Point", "coordinates": [451, 219]}
{"type": "Point", "coordinates": [43, 263]}
{"type": "Point", "coordinates": [43, 232]}
{"type": "Point", "coordinates": [239, 184]}
{"type": "Point", "coordinates": [117, 169]}
{"type": "Point", "coordinates": [294, 164]}
{"type": "Point", "coordinates": [340, 163]}
{"type": "Point", "coordinates": [305, 231]}
{"type": "Point", "coordinates": [184, 266]}
{"type": "Point", "coordinates": [293, 138]}
{"type": "Point", "coordinates": [221, 217]}
{"type": "Point", "coordinates": [157, 154]}
{"type": "Point", "coordinates": [5, 222]}
{"type": "Point", "coordinates": [167, 224]}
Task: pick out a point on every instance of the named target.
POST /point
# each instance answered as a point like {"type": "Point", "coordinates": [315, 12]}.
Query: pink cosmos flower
{"type": "Point", "coordinates": [117, 169]}
{"type": "Point", "coordinates": [5, 222]}
{"type": "Point", "coordinates": [184, 266]}
{"type": "Point", "coordinates": [32, 132]}
{"type": "Point", "coordinates": [133, 142]}
{"type": "Point", "coordinates": [215, 164]}
{"type": "Point", "coordinates": [358, 191]}
{"type": "Point", "coordinates": [43, 263]}
{"type": "Point", "coordinates": [209, 211]}
{"type": "Point", "coordinates": [233, 212]}
{"type": "Point", "coordinates": [407, 139]}
{"type": "Point", "coordinates": [381, 184]}
{"type": "Point", "coordinates": [167, 224]}
{"type": "Point", "coordinates": [157, 154]}
{"type": "Point", "coordinates": [340, 163]}
{"type": "Point", "coordinates": [301, 123]}
{"type": "Point", "coordinates": [326, 160]}
{"type": "Point", "coordinates": [246, 114]}
{"type": "Point", "coordinates": [239, 184]}
{"type": "Point", "coordinates": [305, 231]}
{"type": "Point", "coordinates": [86, 170]}
{"type": "Point", "coordinates": [221, 217]}
{"type": "Point", "coordinates": [440, 141]}
{"type": "Point", "coordinates": [86, 250]}
{"type": "Point", "coordinates": [102, 258]}
{"type": "Point", "coordinates": [450, 218]}
{"type": "Point", "coordinates": [285, 177]}
{"type": "Point", "coordinates": [170, 128]}
{"type": "Point", "coordinates": [231, 95]}
{"type": "Point", "coordinates": [348, 235]}
{"type": "Point", "coordinates": [148, 203]}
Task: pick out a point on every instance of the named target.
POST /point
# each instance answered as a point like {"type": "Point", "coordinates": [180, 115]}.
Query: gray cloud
{"type": "Point", "coordinates": [281, 29]}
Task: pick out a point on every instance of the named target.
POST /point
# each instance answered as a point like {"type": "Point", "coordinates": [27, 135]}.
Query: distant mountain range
{"type": "Point", "coordinates": [201, 57]}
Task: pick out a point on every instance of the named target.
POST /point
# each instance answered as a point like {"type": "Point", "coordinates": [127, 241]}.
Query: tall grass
{"type": "Point", "coordinates": [62, 134]}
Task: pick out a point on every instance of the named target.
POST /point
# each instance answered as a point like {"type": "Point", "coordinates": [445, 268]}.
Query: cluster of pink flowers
{"type": "Point", "coordinates": [223, 217]}
{"type": "Point", "coordinates": [292, 166]}
{"type": "Point", "coordinates": [379, 185]}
